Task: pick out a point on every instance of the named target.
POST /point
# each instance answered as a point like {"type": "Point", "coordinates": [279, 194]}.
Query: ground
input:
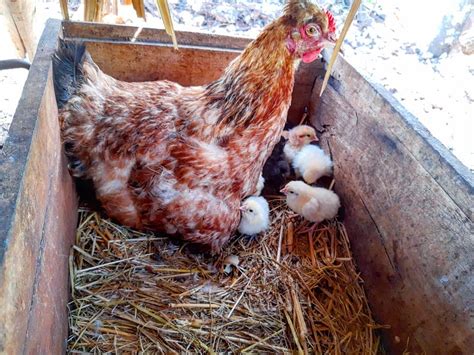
{"type": "Point", "coordinates": [385, 43]}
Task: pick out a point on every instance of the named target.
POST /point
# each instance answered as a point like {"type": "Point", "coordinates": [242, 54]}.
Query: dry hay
{"type": "Point", "coordinates": [135, 292]}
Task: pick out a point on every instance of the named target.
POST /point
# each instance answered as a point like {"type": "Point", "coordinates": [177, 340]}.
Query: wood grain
{"type": "Point", "coordinates": [408, 212]}
{"type": "Point", "coordinates": [20, 14]}
{"type": "Point", "coordinates": [37, 217]}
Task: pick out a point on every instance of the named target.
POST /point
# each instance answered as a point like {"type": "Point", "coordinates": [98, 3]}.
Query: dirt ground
{"type": "Point", "coordinates": [437, 90]}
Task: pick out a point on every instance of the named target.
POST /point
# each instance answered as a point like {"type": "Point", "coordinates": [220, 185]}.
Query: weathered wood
{"type": "Point", "coordinates": [22, 13]}
{"type": "Point", "coordinates": [408, 211]}
{"type": "Point", "coordinates": [37, 217]}
{"type": "Point", "coordinates": [304, 81]}
{"type": "Point", "coordinates": [188, 66]}
{"type": "Point", "coordinates": [9, 25]}
{"type": "Point", "coordinates": [135, 35]}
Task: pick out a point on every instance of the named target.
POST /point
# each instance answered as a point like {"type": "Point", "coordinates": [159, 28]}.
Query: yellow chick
{"type": "Point", "coordinates": [255, 216]}
{"type": "Point", "coordinates": [313, 203]}
{"type": "Point", "coordinates": [312, 163]}
{"type": "Point", "coordinates": [297, 138]}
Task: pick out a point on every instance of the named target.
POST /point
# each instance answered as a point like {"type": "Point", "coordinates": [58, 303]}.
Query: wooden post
{"type": "Point", "coordinates": [20, 14]}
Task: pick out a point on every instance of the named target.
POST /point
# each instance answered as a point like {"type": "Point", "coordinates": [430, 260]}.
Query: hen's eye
{"type": "Point", "coordinates": [311, 30]}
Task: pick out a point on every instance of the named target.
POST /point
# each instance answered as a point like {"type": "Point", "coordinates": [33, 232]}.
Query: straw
{"type": "Point", "coordinates": [135, 292]}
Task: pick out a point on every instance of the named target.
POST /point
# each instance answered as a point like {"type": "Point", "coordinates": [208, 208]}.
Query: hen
{"type": "Point", "coordinates": [180, 159]}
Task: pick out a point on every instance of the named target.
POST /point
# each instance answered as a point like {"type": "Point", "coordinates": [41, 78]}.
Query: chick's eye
{"type": "Point", "coordinates": [251, 210]}
{"type": "Point", "coordinates": [312, 30]}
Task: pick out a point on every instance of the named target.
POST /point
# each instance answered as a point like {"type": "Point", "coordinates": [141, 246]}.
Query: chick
{"type": "Point", "coordinates": [276, 170]}
{"type": "Point", "coordinates": [297, 137]}
{"type": "Point", "coordinates": [255, 216]}
{"type": "Point", "coordinates": [311, 163]}
{"type": "Point", "coordinates": [313, 203]}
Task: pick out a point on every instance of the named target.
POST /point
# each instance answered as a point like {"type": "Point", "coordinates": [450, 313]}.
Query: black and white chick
{"type": "Point", "coordinates": [276, 170]}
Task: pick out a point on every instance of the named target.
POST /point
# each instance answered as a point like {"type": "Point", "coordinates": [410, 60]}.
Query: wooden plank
{"type": "Point", "coordinates": [408, 211]}
{"type": "Point", "coordinates": [132, 34]}
{"type": "Point", "coordinates": [8, 24]}
{"type": "Point", "coordinates": [304, 81]}
{"type": "Point", "coordinates": [188, 66]}
{"type": "Point", "coordinates": [48, 318]}
{"type": "Point", "coordinates": [21, 13]}
{"type": "Point", "coordinates": [37, 210]}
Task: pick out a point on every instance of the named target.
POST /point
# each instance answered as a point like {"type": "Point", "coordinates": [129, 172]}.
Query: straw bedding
{"type": "Point", "coordinates": [291, 292]}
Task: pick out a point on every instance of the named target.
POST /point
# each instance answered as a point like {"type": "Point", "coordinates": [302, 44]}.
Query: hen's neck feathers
{"type": "Point", "coordinates": [258, 82]}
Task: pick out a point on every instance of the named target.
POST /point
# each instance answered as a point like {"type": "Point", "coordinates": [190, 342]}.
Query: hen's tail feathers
{"type": "Point", "coordinates": [67, 69]}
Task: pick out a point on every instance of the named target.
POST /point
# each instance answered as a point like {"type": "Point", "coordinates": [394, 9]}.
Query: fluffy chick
{"type": "Point", "coordinates": [297, 137]}
{"type": "Point", "coordinates": [313, 203]}
{"type": "Point", "coordinates": [255, 216]}
{"type": "Point", "coordinates": [311, 163]}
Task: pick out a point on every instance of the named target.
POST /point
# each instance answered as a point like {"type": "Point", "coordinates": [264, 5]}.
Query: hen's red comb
{"type": "Point", "coordinates": [331, 22]}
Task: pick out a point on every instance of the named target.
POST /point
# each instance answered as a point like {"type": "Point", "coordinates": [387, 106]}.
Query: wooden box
{"type": "Point", "coordinates": [408, 201]}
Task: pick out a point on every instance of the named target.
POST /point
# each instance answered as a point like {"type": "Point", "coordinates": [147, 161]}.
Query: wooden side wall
{"type": "Point", "coordinates": [38, 212]}
{"type": "Point", "coordinates": [409, 214]}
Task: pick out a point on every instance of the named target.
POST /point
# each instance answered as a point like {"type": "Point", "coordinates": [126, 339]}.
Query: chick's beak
{"type": "Point", "coordinates": [284, 190]}
{"type": "Point", "coordinates": [315, 139]}
{"type": "Point", "coordinates": [243, 208]}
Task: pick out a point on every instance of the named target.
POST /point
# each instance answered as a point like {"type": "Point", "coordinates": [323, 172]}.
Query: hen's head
{"type": "Point", "coordinates": [311, 29]}
{"type": "Point", "coordinates": [300, 136]}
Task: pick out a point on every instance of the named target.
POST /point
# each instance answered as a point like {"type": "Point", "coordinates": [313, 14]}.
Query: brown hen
{"type": "Point", "coordinates": [180, 159]}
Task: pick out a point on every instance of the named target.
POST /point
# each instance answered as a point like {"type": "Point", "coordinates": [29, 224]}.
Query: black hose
{"type": "Point", "coordinates": [14, 64]}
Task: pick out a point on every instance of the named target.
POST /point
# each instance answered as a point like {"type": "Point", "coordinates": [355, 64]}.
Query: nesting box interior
{"type": "Point", "coordinates": [408, 201]}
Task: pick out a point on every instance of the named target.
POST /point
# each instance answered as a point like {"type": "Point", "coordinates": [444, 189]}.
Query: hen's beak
{"type": "Point", "coordinates": [284, 190]}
